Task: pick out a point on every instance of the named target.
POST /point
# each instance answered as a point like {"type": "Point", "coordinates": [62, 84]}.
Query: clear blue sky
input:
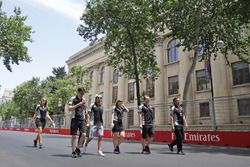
{"type": "Point", "coordinates": [55, 37]}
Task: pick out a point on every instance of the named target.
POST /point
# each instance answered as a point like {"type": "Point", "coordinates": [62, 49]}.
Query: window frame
{"type": "Point", "coordinates": [150, 87]}
{"type": "Point", "coordinates": [240, 80]}
{"type": "Point", "coordinates": [172, 54]}
{"type": "Point", "coordinates": [174, 93]}
{"type": "Point", "coordinates": [208, 83]}
{"type": "Point", "coordinates": [132, 93]}
{"type": "Point", "coordinates": [114, 93]}
{"type": "Point", "coordinates": [102, 73]}
{"type": "Point", "coordinates": [245, 112]}
{"type": "Point", "coordinates": [207, 113]}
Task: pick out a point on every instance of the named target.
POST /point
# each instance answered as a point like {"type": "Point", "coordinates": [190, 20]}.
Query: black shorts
{"type": "Point", "coordinates": [118, 127]}
{"type": "Point", "coordinates": [87, 133]}
{"type": "Point", "coordinates": [40, 123]}
{"type": "Point", "coordinates": [77, 124]}
{"type": "Point", "coordinates": [147, 130]}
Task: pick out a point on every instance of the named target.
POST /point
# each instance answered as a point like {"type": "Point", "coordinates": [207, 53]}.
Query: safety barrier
{"type": "Point", "coordinates": [218, 138]}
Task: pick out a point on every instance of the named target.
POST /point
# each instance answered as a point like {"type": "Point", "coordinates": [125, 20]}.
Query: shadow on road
{"type": "Point", "coordinates": [135, 153]}
{"type": "Point", "coordinates": [29, 146]}
{"type": "Point", "coordinates": [69, 155]}
{"type": "Point", "coordinates": [207, 149]}
{"type": "Point", "coordinates": [62, 155]}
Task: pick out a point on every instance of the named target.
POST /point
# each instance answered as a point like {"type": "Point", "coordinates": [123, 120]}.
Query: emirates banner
{"type": "Point", "coordinates": [218, 138]}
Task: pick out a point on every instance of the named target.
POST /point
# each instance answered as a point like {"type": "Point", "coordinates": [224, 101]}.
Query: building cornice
{"type": "Point", "coordinates": [85, 52]}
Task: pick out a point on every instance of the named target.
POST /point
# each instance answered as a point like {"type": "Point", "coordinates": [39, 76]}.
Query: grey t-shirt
{"type": "Point", "coordinates": [147, 114]}
{"type": "Point", "coordinates": [96, 112]}
{"type": "Point", "coordinates": [118, 113]}
{"type": "Point", "coordinates": [177, 114]}
{"type": "Point", "coordinates": [41, 111]}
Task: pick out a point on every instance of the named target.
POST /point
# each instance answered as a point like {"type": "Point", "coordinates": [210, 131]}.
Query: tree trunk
{"type": "Point", "coordinates": [188, 78]}
{"type": "Point", "coordinates": [190, 71]}
{"type": "Point", "coordinates": [137, 81]}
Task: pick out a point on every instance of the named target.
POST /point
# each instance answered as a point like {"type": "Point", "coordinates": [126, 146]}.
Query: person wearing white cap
{"type": "Point", "coordinates": [95, 121]}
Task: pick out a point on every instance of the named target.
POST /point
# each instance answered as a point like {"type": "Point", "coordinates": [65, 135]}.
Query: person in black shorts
{"type": "Point", "coordinates": [41, 113]}
{"type": "Point", "coordinates": [77, 106]}
{"type": "Point", "coordinates": [117, 124]}
{"type": "Point", "coordinates": [178, 120]}
{"type": "Point", "coordinates": [146, 119]}
{"type": "Point", "coordinates": [87, 138]}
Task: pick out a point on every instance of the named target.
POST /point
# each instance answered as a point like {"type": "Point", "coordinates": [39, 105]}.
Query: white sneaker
{"type": "Point", "coordinates": [101, 153]}
{"type": "Point", "coordinates": [85, 149]}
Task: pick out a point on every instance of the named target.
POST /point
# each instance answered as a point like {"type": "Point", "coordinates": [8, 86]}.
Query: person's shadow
{"type": "Point", "coordinates": [69, 155]}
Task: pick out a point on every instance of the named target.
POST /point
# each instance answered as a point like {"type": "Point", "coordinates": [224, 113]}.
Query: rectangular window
{"type": "Point", "coordinates": [115, 94]}
{"type": "Point", "coordinates": [131, 117]}
{"type": "Point", "coordinates": [244, 106]}
{"type": "Point", "coordinates": [153, 109]}
{"type": "Point", "coordinates": [173, 85]}
{"type": "Point", "coordinates": [241, 73]}
{"type": "Point", "coordinates": [89, 102]}
{"type": "Point", "coordinates": [204, 109]}
{"type": "Point", "coordinates": [131, 90]}
{"type": "Point", "coordinates": [150, 88]}
{"type": "Point", "coordinates": [202, 82]}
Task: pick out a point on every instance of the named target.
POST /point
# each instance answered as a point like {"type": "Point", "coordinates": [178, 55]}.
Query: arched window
{"type": "Point", "coordinates": [91, 75]}
{"type": "Point", "coordinates": [102, 75]}
{"type": "Point", "coordinates": [115, 76]}
{"type": "Point", "coordinates": [172, 52]}
{"type": "Point", "coordinates": [150, 88]}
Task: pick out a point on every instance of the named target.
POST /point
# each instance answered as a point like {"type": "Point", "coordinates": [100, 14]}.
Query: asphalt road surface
{"type": "Point", "coordinates": [16, 150]}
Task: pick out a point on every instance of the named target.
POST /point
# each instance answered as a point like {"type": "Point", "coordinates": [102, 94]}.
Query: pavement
{"type": "Point", "coordinates": [16, 150]}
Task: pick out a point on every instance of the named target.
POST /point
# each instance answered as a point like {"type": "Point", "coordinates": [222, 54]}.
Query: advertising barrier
{"type": "Point", "coordinates": [218, 138]}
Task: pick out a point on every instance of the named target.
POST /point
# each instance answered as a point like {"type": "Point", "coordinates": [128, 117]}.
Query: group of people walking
{"type": "Point", "coordinates": [89, 122]}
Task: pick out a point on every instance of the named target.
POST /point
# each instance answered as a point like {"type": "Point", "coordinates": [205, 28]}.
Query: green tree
{"type": "Point", "coordinates": [58, 72]}
{"type": "Point", "coordinates": [201, 24]}
{"type": "Point", "coordinates": [13, 36]}
{"type": "Point", "coordinates": [129, 37]}
{"type": "Point", "coordinates": [59, 90]}
{"type": "Point", "coordinates": [27, 96]}
{"type": "Point", "coordinates": [9, 109]}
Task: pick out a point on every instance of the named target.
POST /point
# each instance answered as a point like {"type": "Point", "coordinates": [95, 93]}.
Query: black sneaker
{"type": "Point", "coordinates": [147, 149]}
{"type": "Point", "coordinates": [74, 155]}
{"type": "Point", "coordinates": [144, 151]}
{"type": "Point", "coordinates": [180, 152]}
{"type": "Point", "coordinates": [170, 147]}
{"type": "Point", "coordinates": [35, 143]}
{"type": "Point", "coordinates": [40, 146]}
{"type": "Point", "coordinates": [118, 149]}
{"type": "Point", "coordinates": [78, 152]}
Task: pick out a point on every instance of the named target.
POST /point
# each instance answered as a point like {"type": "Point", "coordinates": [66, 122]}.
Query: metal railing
{"type": "Point", "coordinates": [231, 113]}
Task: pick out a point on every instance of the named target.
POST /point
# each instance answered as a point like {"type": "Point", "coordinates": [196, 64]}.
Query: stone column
{"type": "Point", "coordinates": [160, 110]}
{"type": "Point", "coordinates": [220, 86]}
{"type": "Point", "coordinates": [107, 97]}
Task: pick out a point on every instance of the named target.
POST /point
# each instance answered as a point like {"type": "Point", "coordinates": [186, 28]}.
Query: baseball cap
{"type": "Point", "coordinates": [98, 95]}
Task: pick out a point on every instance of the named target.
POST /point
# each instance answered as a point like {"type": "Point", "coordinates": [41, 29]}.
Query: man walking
{"type": "Point", "coordinates": [146, 118]}
{"type": "Point", "coordinates": [77, 107]}
{"type": "Point", "coordinates": [178, 120]}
